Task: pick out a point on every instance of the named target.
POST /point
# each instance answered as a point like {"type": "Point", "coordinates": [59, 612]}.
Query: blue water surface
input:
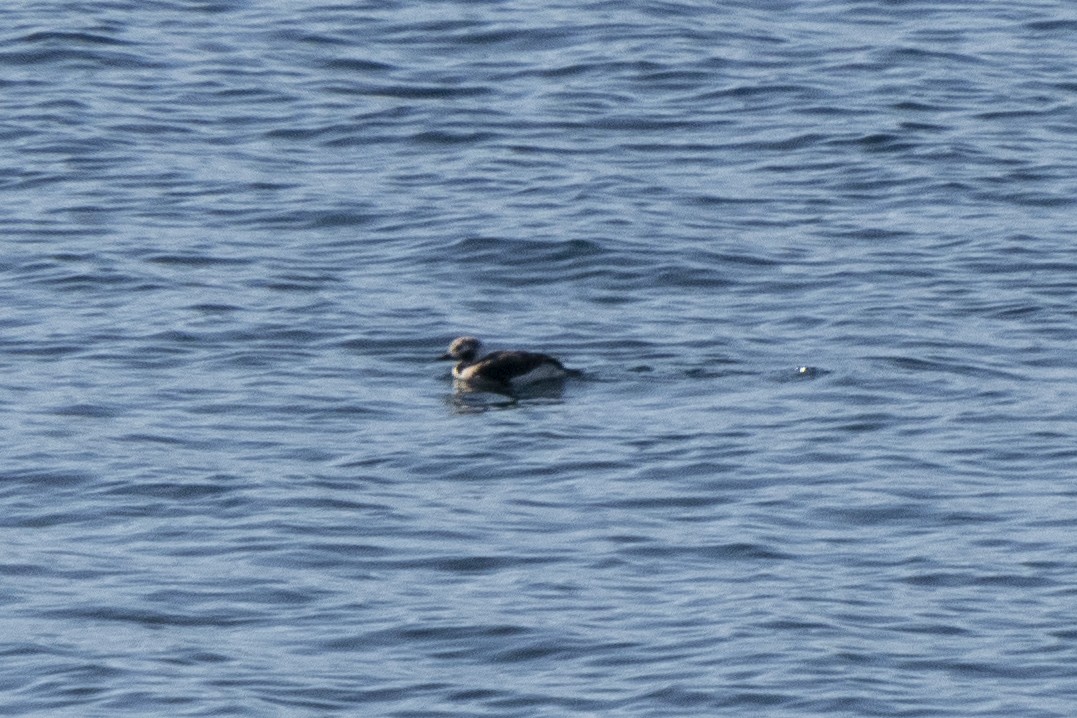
{"type": "Point", "coordinates": [815, 261]}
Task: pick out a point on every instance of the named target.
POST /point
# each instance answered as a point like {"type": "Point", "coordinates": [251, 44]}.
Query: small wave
{"type": "Point", "coordinates": [427, 92]}
{"type": "Point", "coordinates": [360, 65]}
{"type": "Point", "coordinates": [312, 219]}
{"type": "Point", "coordinates": [70, 38]}
{"type": "Point", "coordinates": [195, 259]}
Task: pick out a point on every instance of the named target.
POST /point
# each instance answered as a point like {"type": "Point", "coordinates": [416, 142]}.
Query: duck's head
{"type": "Point", "coordinates": [463, 349]}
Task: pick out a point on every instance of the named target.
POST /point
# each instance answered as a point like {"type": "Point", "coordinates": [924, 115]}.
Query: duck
{"type": "Point", "coordinates": [501, 368]}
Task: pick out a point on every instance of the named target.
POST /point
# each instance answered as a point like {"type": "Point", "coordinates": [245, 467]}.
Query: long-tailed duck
{"type": "Point", "coordinates": [504, 368]}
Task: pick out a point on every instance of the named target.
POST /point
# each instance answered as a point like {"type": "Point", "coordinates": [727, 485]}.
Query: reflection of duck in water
{"type": "Point", "coordinates": [504, 369]}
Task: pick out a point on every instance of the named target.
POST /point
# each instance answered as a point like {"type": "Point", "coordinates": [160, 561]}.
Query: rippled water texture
{"type": "Point", "coordinates": [816, 262]}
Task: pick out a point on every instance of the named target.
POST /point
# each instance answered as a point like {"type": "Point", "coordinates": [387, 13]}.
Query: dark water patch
{"type": "Point", "coordinates": [172, 491]}
{"type": "Point", "coordinates": [254, 96]}
{"type": "Point", "coordinates": [541, 38]}
{"type": "Point", "coordinates": [453, 138]}
{"type": "Point", "coordinates": [866, 423]}
{"type": "Point", "coordinates": [1012, 264]}
{"type": "Point", "coordinates": [260, 594]}
{"type": "Point", "coordinates": [787, 144]}
{"type": "Point", "coordinates": [40, 348]}
{"type": "Point", "coordinates": [916, 106]}
{"type": "Point", "coordinates": [635, 124]}
{"type": "Point", "coordinates": [88, 411]}
{"type": "Point", "coordinates": [360, 65]}
{"type": "Point", "coordinates": [934, 629]}
{"type": "Point", "coordinates": [926, 127]}
{"type": "Point", "coordinates": [957, 518]}
{"type": "Point", "coordinates": [713, 552]}
{"type": "Point", "coordinates": [1028, 199]}
{"type": "Point", "coordinates": [764, 90]}
{"type": "Point", "coordinates": [474, 694]}
{"type": "Point", "coordinates": [310, 133]}
{"type": "Point", "coordinates": [427, 92]}
{"type": "Point", "coordinates": [145, 438]}
{"type": "Point", "coordinates": [45, 479]}
{"type": "Point", "coordinates": [917, 56]}
{"type": "Point", "coordinates": [875, 515]}
{"type": "Point", "coordinates": [736, 258]}
{"type": "Point", "coordinates": [946, 366]}
{"type": "Point", "coordinates": [711, 371]}
{"type": "Point", "coordinates": [94, 280]}
{"type": "Point", "coordinates": [286, 695]}
{"type": "Point", "coordinates": [690, 277]}
{"type": "Point", "coordinates": [270, 186]}
{"type": "Point", "coordinates": [22, 569]}
{"type": "Point", "coordinates": [669, 502]}
{"type": "Point", "coordinates": [195, 259]}
{"type": "Point", "coordinates": [69, 38]}
{"type": "Point", "coordinates": [197, 658]}
{"type": "Point", "coordinates": [1021, 114]}
{"type": "Point", "coordinates": [313, 219]}
{"type": "Point", "coordinates": [875, 142]}
{"type": "Point", "coordinates": [470, 635]}
{"type": "Point", "coordinates": [293, 283]}
{"type": "Point", "coordinates": [574, 254]}
{"type": "Point", "coordinates": [215, 308]}
{"type": "Point", "coordinates": [681, 697]}
{"type": "Point", "coordinates": [73, 58]}
{"type": "Point", "coordinates": [719, 201]}
{"type": "Point", "coordinates": [566, 648]}
{"type": "Point", "coordinates": [151, 129]}
{"type": "Point", "coordinates": [153, 619]}
{"type": "Point", "coordinates": [941, 579]}
{"type": "Point", "coordinates": [342, 504]}
{"type": "Point", "coordinates": [878, 234]}
{"type": "Point", "coordinates": [798, 625]}
{"type": "Point", "coordinates": [1052, 26]}
{"type": "Point", "coordinates": [472, 564]}
{"type": "Point", "coordinates": [1014, 581]}
{"type": "Point", "coordinates": [561, 71]}
{"type": "Point", "coordinates": [173, 337]}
